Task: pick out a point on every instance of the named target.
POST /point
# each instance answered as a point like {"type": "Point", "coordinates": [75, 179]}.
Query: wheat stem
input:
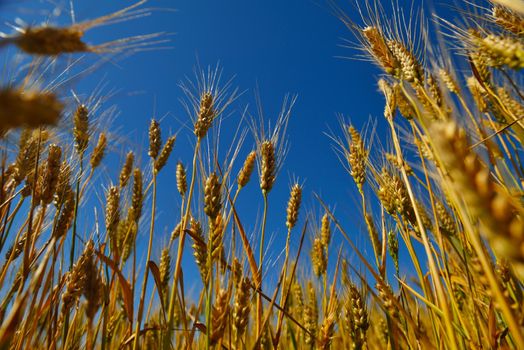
{"type": "Point", "coordinates": [260, 265]}
{"type": "Point", "coordinates": [181, 239]}
{"type": "Point", "coordinates": [146, 270]}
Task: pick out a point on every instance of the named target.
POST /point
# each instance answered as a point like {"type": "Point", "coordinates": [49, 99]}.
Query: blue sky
{"type": "Point", "coordinates": [273, 47]}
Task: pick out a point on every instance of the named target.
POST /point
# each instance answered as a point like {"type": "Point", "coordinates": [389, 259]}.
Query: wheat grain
{"type": "Point", "coordinates": [206, 115]}
{"type": "Point", "coordinates": [125, 172]}
{"type": "Point", "coordinates": [155, 139]}
{"type": "Point", "coordinates": [181, 179]}
{"type": "Point", "coordinates": [212, 196]}
{"type": "Point", "coordinates": [247, 169]}
{"type": "Point", "coordinates": [357, 158]}
{"type": "Point", "coordinates": [164, 154]}
{"type": "Point", "coordinates": [318, 257]}
{"type": "Point", "coordinates": [241, 307]}
{"type": "Point", "coordinates": [99, 151]}
{"type": "Point", "coordinates": [508, 19]}
{"type": "Point", "coordinates": [81, 128]}
{"type": "Point", "coordinates": [267, 166]}
{"type": "Point", "coordinates": [28, 109]}
{"type": "Point", "coordinates": [293, 206]}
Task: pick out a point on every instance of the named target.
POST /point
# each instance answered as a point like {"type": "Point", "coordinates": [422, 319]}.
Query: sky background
{"type": "Point", "coordinates": [273, 47]}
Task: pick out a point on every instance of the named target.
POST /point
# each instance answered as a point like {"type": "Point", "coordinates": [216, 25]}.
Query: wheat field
{"type": "Point", "coordinates": [442, 203]}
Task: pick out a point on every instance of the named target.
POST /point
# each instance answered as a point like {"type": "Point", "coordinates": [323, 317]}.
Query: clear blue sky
{"type": "Point", "coordinates": [291, 46]}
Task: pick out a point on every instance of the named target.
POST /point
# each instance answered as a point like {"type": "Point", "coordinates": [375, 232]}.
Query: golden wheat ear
{"type": "Point", "coordinates": [125, 172]}
{"type": "Point", "coordinates": [515, 5]}
{"type": "Point", "coordinates": [49, 40]}
{"type": "Point", "coordinates": [29, 109]}
{"type": "Point", "coordinates": [244, 174]}
{"type": "Point", "coordinates": [508, 19]}
{"type": "Point", "coordinates": [181, 179]}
